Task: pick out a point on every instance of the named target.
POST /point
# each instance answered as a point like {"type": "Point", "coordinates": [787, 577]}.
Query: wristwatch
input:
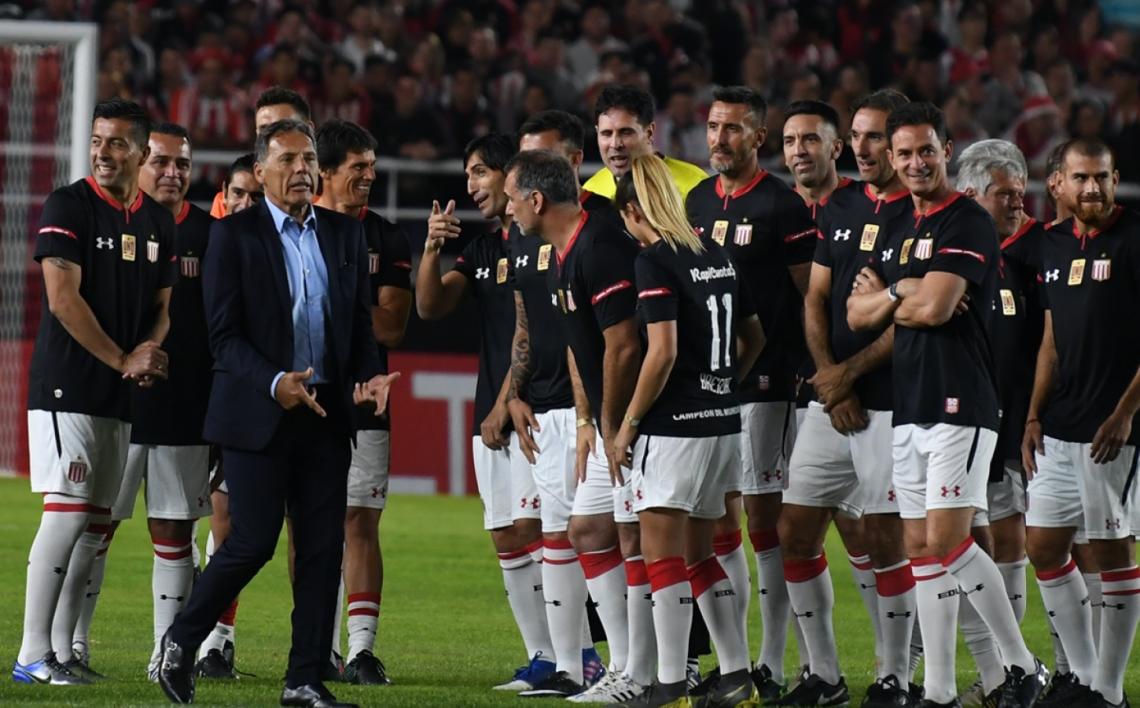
{"type": "Point", "coordinates": [893, 292]}
{"type": "Point", "coordinates": [632, 422]}
{"type": "Point", "coordinates": [583, 422]}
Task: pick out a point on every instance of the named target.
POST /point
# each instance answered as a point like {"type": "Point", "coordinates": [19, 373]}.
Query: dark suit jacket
{"type": "Point", "coordinates": [249, 313]}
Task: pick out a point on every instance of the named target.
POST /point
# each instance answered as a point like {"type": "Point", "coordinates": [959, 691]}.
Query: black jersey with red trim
{"type": "Point", "coordinates": [1091, 285]}
{"type": "Point", "coordinates": [854, 227]}
{"type": "Point", "coordinates": [549, 386]}
{"type": "Point", "coordinates": [173, 411]}
{"type": "Point", "coordinates": [766, 227]}
{"type": "Point", "coordinates": [127, 255]}
{"type": "Point", "coordinates": [592, 288]}
{"type": "Point", "coordinates": [485, 263]}
{"type": "Point", "coordinates": [1016, 334]}
{"type": "Point", "coordinates": [389, 265]}
{"type": "Point", "coordinates": [946, 374]}
{"type": "Point", "coordinates": [700, 292]}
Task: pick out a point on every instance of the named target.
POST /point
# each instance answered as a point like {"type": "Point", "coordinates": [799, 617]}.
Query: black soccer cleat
{"type": "Point", "coordinates": [1099, 701]}
{"type": "Point", "coordinates": [766, 686]}
{"type": "Point", "coordinates": [1066, 691]}
{"type": "Point", "coordinates": [557, 685]}
{"type": "Point", "coordinates": [706, 684]}
{"type": "Point", "coordinates": [931, 704]}
{"type": "Point", "coordinates": [366, 670]}
{"type": "Point", "coordinates": [333, 671]}
{"type": "Point", "coordinates": [886, 692]}
{"type": "Point", "coordinates": [217, 664]}
{"type": "Point", "coordinates": [1021, 689]}
{"type": "Point", "coordinates": [729, 691]}
{"type": "Point", "coordinates": [659, 695]}
{"type": "Point", "coordinates": [814, 691]}
{"type": "Point", "coordinates": [176, 671]}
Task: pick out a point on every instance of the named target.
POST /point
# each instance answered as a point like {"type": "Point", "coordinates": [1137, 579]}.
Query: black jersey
{"type": "Point", "coordinates": [854, 229]}
{"type": "Point", "coordinates": [485, 263]}
{"type": "Point", "coordinates": [127, 256]}
{"type": "Point", "coordinates": [531, 261]}
{"type": "Point", "coordinates": [765, 227]}
{"type": "Point", "coordinates": [389, 265]}
{"type": "Point", "coordinates": [1091, 284]}
{"type": "Point", "coordinates": [1016, 334]}
{"type": "Point", "coordinates": [592, 288]}
{"type": "Point", "coordinates": [946, 374]}
{"type": "Point", "coordinates": [173, 411]}
{"type": "Point", "coordinates": [701, 293]}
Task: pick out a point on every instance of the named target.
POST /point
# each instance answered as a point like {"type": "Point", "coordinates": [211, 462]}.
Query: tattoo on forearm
{"type": "Point", "coordinates": [60, 263]}
{"type": "Point", "coordinates": [520, 354]}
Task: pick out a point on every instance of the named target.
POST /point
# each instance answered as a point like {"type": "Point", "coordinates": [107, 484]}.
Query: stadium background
{"type": "Point", "coordinates": [425, 77]}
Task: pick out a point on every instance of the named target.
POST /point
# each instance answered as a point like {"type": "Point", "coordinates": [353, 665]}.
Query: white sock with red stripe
{"type": "Point", "coordinates": [63, 521]}
{"type": "Point", "coordinates": [936, 592]}
{"type": "Point", "coordinates": [523, 580]}
{"type": "Point", "coordinates": [714, 595]}
{"type": "Point", "coordinates": [223, 631]}
{"type": "Point", "coordinates": [775, 607]}
{"type": "Point", "coordinates": [91, 594]}
{"type": "Point", "coordinates": [363, 620]}
{"type": "Point", "coordinates": [980, 643]}
{"type": "Point", "coordinates": [729, 549]}
{"type": "Point", "coordinates": [1013, 576]}
{"type": "Point", "coordinates": [672, 616]}
{"type": "Point", "coordinates": [896, 610]}
{"type": "Point", "coordinates": [72, 596]}
{"type": "Point", "coordinates": [1096, 600]}
{"type": "Point", "coordinates": [978, 576]}
{"type": "Point", "coordinates": [564, 587]}
{"type": "Point", "coordinates": [1060, 658]}
{"type": "Point", "coordinates": [1066, 603]}
{"type": "Point", "coordinates": [172, 575]}
{"type": "Point", "coordinates": [1121, 590]}
{"type": "Point", "coordinates": [864, 575]}
{"type": "Point", "coordinates": [605, 578]}
{"type": "Point", "coordinates": [813, 598]}
{"type": "Point", "coordinates": [639, 605]}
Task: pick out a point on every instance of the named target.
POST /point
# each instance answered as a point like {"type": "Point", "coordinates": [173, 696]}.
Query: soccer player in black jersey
{"type": "Point", "coordinates": [346, 154]}
{"type": "Point", "coordinates": [769, 233]}
{"type": "Point", "coordinates": [682, 428]}
{"type": "Point", "coordinates": [511, 505]}
{"type": "Point", "coordinates": [946, 405]}
{"type": "Point", "coordinates": [590, 285]}
{"type": "Point", "coordinates": [109, 263]}
{"type": "Point", "coordinates": [841, 465]}
{"type": "Point", "coordinates": [1080, 432]}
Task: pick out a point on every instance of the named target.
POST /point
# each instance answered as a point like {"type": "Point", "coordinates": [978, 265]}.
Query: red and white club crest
{"type": "Point", "coordinates": [373, 263]}
{"type": "Point", "coordinates": [1102, 269]}
{"type": "Point", "coordinates": [952, 405]}
{"type": "Point", "coordinates": [924, 249]}
{"type": "Point", "coordinates": [742, 235]}
{"type": "Point", "coordinates": [77, 471]}
{"type": "Point", "coordinates": [189, 266]}
{"type": "Point", "coordinates": [152, 251]}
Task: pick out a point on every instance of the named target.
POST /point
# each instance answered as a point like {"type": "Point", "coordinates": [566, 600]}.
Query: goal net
{"type": "Point", "coordinates": [47, 91]}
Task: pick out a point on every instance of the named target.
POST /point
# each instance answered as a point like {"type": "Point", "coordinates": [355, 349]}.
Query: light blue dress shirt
{"type": "Point", "coordinates": [309, 290]}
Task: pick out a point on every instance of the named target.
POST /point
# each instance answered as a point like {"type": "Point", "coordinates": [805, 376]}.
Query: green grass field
{"type": "Point", "coordinates": [446, 633]}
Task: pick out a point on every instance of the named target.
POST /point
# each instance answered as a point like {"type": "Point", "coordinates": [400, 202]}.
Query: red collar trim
{"type": "Point", "coordinates": [954, 196]}
{"type": "Point", "coordinates": [506, 233]}
{"type": "Point", "coordinates": [1016, 236]}
{"type": "Point", "coordinates": [561, 257]}
{"type": "Point", "coordinates": [135, 205]}
{"type": "Point", "coordinates": [889, 199]}
{"type": "Point", "coordinates": [362, 213]}
{"type": "Point", "coordinates": [583, 197]}
{"type": "Point", "coordinates": [182, 213]}
{"type": "Point", "coordinates": [740, 192]}
{"type": "Point", "coordinates": [1116, 212]}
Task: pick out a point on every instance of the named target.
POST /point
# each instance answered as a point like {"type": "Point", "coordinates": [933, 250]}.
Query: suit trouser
{"type": "Point", "coordinates": [304, 467]}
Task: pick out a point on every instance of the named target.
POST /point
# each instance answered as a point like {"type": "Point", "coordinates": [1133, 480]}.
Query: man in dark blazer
{"type": "Point", "coordinates": [287, 302]}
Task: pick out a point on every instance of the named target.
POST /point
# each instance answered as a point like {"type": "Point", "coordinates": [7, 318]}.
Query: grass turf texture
{"type": "Point", "coordinates": [446, 634]}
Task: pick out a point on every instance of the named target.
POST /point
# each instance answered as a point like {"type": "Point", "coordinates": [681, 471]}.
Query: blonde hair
{"type": "Point", "coordinates": [650, 185]}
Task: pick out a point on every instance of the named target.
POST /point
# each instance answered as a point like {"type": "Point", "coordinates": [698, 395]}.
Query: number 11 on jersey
{"type": "Point", "coordinates": [715, 361]}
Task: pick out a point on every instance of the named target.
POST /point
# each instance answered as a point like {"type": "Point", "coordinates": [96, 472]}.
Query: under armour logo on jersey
{"type": "Point", "coordinates": [107, 243]}
{"type": "Point", "coordinates": [891, 496]}
{"type": "Point", "coordinates": [888, 254]}
{"type": "Point", "coordinates": [521, 261]}
{"type": "Point", "coordinates": [482, 273]}
{"type": "Point", "coordinates": [638, 495]}
{"type": "Point", "coordinates": [535, 503]}
{"type": "Point", "coordinates": [1112, 524]}
{"type": "Point", "coordinates": [948, 491]}
{"type": "Point", "coordinates": [843, 234]}
{"type": "Point", "coordinates": [1053, 275]}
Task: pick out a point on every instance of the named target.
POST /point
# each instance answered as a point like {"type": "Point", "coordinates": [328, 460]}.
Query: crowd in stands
{"type": "Point", "coordinates": [426, 77]}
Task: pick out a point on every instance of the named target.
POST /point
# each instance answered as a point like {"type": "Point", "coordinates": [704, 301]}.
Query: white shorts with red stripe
{"type": "Point", "coordinates": [1070, 490]}
{"type": "Point", "coordinates": [768, 434]}
{"type": "Point", "coordinates": [689, 474]}
{"type": "Point", "coordinates": [941, 466]}
{"type": "Point", "coordinates": [553, 468]}
{"type": "Point", "coordinates": [177, 482]}
{"type": "Point", "coordinates": [77, 455]}
{"type": "Point", "coordinates": [507, 492]}
{"type": "Point", "coordinates": [1007, 497]}
{"type": "Point", "coordinates": [598, 495]}
{"type": "Point", "coordinates": [368, 472]}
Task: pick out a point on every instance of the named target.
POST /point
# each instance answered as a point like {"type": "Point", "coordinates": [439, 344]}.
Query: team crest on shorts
{"type": "Point", "coordinates": [188, 265]}
{"type": "Point", "coordinates": [720, 230]}
{"type": "Point", "coordinates": [952, 405]}
{"type": "Point", "coordinates": [152, 251]}
{"type": "Point", "coordinates": [373, 263]}
{"type": "Point", "coordinates": [77, 471]}
{"type": "Point", "coordinates": [924, 249]}
{"type": "Point", "coordinates": [128, 242]}
{"type": "Point", "coordinates": [1102, 269]}
{"type": "Point", "coordinates": [544, 257]}
{"type": "Point", "coordinates": [1008, 303]}
{"type": "Point", "coordinates": [867, 240]}
{"type": "Point", "coordinates": [501, 271]}
{"type": "Point", "coordinates": [1077, 271]}
{"type": "Point", "coordinates": [743, 235]}
{"type": "Point", "coordinates": [904, 252]}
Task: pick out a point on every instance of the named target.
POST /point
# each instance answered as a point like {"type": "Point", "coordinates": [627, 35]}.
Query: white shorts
{"type": "Point", "coordinates": [690, 474]}
{"type": "Point", "coordinates": [598, 495]}
{"type": "Point", "coordinates": [851, 473]}
{"type": "Point", "coordinates": [507, 493]}
{"type": "Point", "coordinates": [941, 466]}
{"type": "Point", "coordinates": [1007, 497]}
{"type": "Point", "coordinates": [1070, 490]}
{"type": "Point", "coordinates": [368, 472]}
{"type": "Point", "coordinates": [769, 432]}
{"type": "Point", "coordinates": [177, 482]}
{"type": "Point", "coordinates": [553, 470]}
{"type": "Point", "coordinates": [77, 455]}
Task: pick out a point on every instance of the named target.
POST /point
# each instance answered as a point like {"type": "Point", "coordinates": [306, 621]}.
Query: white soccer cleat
{"type": "Point", "coordinates": [614, 687]}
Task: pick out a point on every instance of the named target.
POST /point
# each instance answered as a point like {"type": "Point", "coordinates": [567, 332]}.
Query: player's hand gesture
{"type": "Point", "coordinates": [522, 416]}
{"type": "Point", "coordinates": [291, 391]}
{"type": "Point", "coordinates": [374, 391]}
{"type": "Point", "coordinates": [491, 429]}
{"type": "Point", "coordinates": [848, 416]}
{"type": "Point", "coordinates": [1032, 444]}
{"type": "Point", "coordinates": [619, 454]}
{"type": "Point", "coordinates": [145, 364]}
{"type": "Point", "coordinates": [867, 281]}
{"type": "Point", "coordinates": [442, 225]}
{"type": "Point", "coordinates": [832, 384]}
{"type": "Point", "coordinates": [587, 437]}
{"type": "Point", "coordinates": [1110, 437]}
